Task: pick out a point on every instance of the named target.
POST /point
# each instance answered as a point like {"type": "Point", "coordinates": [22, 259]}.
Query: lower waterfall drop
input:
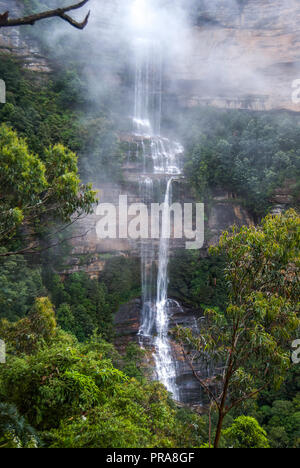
{"type": "Point", "coordinates": [154, 328]}
{"type": "Point", "coordinates": [165, 366]}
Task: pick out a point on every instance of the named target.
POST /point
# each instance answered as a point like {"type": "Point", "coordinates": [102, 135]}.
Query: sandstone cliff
{"type": "Point", "coordinates": [240, 54]}
{"type": "Point", "coordinates": [13, 41]}
{"type": "Point", "coordinates": [237, 54]}
{"type": "Point", "coordinates": [89, 253]}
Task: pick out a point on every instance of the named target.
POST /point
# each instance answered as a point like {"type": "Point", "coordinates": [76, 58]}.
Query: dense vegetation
{"type": "Point", "coordinates": [247, 153]}
{"type": "Point", "coordinates": [198, 282]}
{"type": "Point", "coordinates": [253, 333]}
{"type": "Point", "coordinates": [58, 392]}
{"type": "Point", "coordinates": [64, 384]}
{"type": "Point", "coordinates": [85, 305]}
{"type": "Point", "coordinates": [59, 109]}
{"type": "Point", "coordinates": [72, 395]}
{"type": "Point", "coordinates": [37, 191]}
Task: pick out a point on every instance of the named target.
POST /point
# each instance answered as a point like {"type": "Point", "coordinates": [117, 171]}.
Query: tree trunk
{"type": "Point", "coordinates": [219, 430]}
{"type": "Point", "coordinates": [209, 437]}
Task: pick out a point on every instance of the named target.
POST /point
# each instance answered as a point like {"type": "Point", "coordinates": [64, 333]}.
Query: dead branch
{"type": "Point", "coordinates": [34, 250]}
{"type": "Point", "coordinates": [58, 13]}
{"type": "Point", "coordinates": [204, 385]}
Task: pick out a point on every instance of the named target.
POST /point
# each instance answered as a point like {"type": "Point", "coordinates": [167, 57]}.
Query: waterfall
{"type": "Point", "coordinates": [165, 366]}
{"type": "Point", "coordinates": [161, 164]}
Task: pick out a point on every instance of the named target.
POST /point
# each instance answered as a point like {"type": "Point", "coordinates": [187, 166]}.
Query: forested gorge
{"type": "Point", "coordinates": [65, 382]}
{"type": "Point", "coordinates": [250, 154]}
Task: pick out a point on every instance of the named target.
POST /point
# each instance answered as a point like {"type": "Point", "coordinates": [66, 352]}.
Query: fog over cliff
{"type": "Point", "coordinates": [228, 53]}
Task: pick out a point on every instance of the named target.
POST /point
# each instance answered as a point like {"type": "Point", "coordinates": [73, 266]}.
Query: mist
{"type": "Point", "coordinates": [106, 47]}
{"type": "Point", "coordinates": [214, 52]}
{"type": "Point", "coordinates": [215, 48]}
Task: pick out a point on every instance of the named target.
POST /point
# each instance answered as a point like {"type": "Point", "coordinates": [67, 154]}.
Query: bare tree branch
{"type": "Point", "coordinates": [34, 250]}
{"type": "Point", "coordinates": [245, 397]}
{"type": "Point", "coordinates": [58, 13]}
{"type": "Point", "coordinates": [201, 381]}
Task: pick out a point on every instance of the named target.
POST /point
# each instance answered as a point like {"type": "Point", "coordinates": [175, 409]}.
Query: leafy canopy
{"type": "Point", "coordinates": [251, 154]}
{"type": "Point", "coordinates": [245, 432]}
{"type": "Point", "coordinates": [75, 397]}
{"type": "Point", "coordinates": [248, 344]}
{"type": "Point", "coordinates": [38, 189]}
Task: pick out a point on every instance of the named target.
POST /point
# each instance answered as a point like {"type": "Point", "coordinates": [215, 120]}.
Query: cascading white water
{"type": "Point", "coordinates": [159, 174]}
{"type": "Point", "coordinates": [147, 268]}
{"type": "Point", "coordinates": [165, 366]}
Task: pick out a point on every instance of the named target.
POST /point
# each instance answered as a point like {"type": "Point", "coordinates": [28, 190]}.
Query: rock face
{"type": "Point", "coordinates": [189, 388]}
{"type": "Point", "coordinates": [127, 324]}
{"type": "Point", "coordinates": [12, 40]}
{"type": "Point", "coordinates": [225, 211]}
{"type": "Point", "coordinates": [89, 251]}
{"type": "Point", "coordinates": [241, 54]}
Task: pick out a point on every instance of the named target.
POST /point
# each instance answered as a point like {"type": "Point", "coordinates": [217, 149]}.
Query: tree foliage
{"type": "Point", "coordinates": [38, 190]}
{"type": "Point", "coordinates": [246, 433]}
{"type": "Point", "coordinates": [60, 109]}
{"type": "Point", "coordinates": [76, 398]}
{"type": "Point", "coordinates": [248, 344]}
{"type": "Point", "coordinates": [84, 305]}
{"type": "Point", "coordinates": [250, 154]}
{"type": "Point", "coordinates": [281, 421]}
{"type": "Point", "coordinates": [38, 327]}
{"type": "Point", "coordinates": [197, 281]}
{"type": "Point", "coordinates": [15, 432]}
{"type": "Point", "coordinates": [20, 284]}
